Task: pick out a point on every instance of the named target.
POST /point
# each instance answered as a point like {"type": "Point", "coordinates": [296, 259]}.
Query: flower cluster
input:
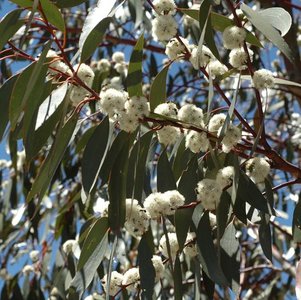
{"type": "Point", "coordinates": [263, 79]}
{"type": "Point", "coordinates": [175, 48]}
{"type": "Point", "coordinates": [257, 169]}
{"type": "Point", "coordinates": [190, 248]}
{"type": "Point", "coordinates": [173, 244]}
{"type": "Point", "coordinates": [158, 204]}
{"type": "Point", "coordinates": [131, 278]}
{"type": "Point", "coordinates": [137, 218]}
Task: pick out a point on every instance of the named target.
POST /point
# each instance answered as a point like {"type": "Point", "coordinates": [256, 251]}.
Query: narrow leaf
{"type": "Point", "coordinates": [134, 78]}
{"type": "Point", "coordinates": [53, 14]}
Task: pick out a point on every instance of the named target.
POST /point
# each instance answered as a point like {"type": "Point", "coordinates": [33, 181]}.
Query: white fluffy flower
{"type": "Point", "coordinates": [173, 242]}
{"type": "Point", "coordinates": [121, 68]}
{"type": "Point", "coordinates": [168, 109]}
{"type": "Point", "coordinates": [192, 114]}
{"type": "Point", "coordinates": [216, 122]}
{"type": "Point", "coordinates": [174, 48]}
{"type": "Point", "coordinates": [101, 206]}
{"type": "Point", "coordinates": [155, 205]}
{"type": "Point", "coordinates": [56, 63]}
{"type": "Point", "coordinates": [104, 65]}
{"type": "Point", "coordinates": [158, 266]}
{"type": "Point", "coordinates": [85, 73]}
{"type": "Point", "coordinates": [164, 28]}
{"type": "Point", "coordinates": [138, 106]}
{"type": "Point", "coordinates": [131, 279]}
{"type": "Point", "coordinates": [127, 122]}
{"type": "Point", "coordinates": [174, 200]}
{"type": "Point", "coordinates": [234, 37]}
{"type": "Point", "coordinates": [191, 249]}
{"type": "Point", "coordinates": [165, 6]}
{"type": "Point", "coordinates": [27, 269]}
{"type": "Point", "coordinates": [231, 138]}
{"type": "Point", "coordinates": [137, 218]}
{"type": "Point", "coordinates": [77, 94]}
{"type": "Point", "coordinates": [238, 58]}
{"type": "Point", "coordinates": [197, 141]}
{"type": "Point", "coordinates": [263, 79]}
{"type": "Point", "coordinates": [200, 58]}
{"type": "Point", "coordinates": [69, 246]}
{"type": "Point", "coordinates": [34, 255]}
{"type": "Point", "coordinates": [115, 284]}
{"type": "Point", "coordinates": [112, 101]}
{"type": "Point", "coordinates": [168, 135]}
{"type": "Point", "coordinates": [258, 169]}
{"type": "Point", "coordinates": [208, 192]}
{"type": "Point", "coordinates": [225, 176]}
{"type": "Point", "coordinates": [118, 57]}
{"type": "Point", "coordinates": [216, 68]}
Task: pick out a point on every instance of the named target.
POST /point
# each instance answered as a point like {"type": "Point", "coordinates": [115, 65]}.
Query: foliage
{"type": "Point", "coordinates": [151, 149]}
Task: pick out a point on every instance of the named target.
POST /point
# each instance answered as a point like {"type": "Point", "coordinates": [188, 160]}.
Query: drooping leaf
{"type": "Point", "coordinates": [94, 155]}
{"type": "Point", "coordinates": [230, 257]}
{"type": "Point", "coordinates": [84, 276]}
{"type": "Point", "coordinates": [53, 14]}
{"type": "Point", "coordinates": [137, 166]}
{"type": "Point", "coordinates": [248, 190]}
{"type": "Point", "coordinates": [208, 256]}
{"type": "Point", "coordinates": [50, 104]}
{"type": "Point", "coordinates": [296, 226]}
{"type": "Point", "coordinates": [93, 239]}
{"type": "Point", "coordinates": [9, 25]}
{"type": "Point", "coordinates": [267, 30]}
{"type": "Point", "coordinates": [53, 159]}
{"type": "Point", "coordinates": [94, 38]}
{"type": "Point", "coordinates": [68, 3]}
{"type": "Point", "coordinates": [95, 16]}
{"type": "Point", "coordinates": [222, 213]}
{"type": "Point", "coordinates": [265, 237]}
{"type": "Point", "coordinates": [158, 89]}
{"type": "Point", "coordinates": [134, 78]}
{"type": "Point", "coordinates": [165, 177]}
{"type": "Point", "coordinates": [5, 94]}
{"type": "Point", "coordinates": [146, 268]}
{"type": "Point", "coordinates": [278, 18]}
{"type": "Point", "coordinates": [186, 187]}
{"type": "Point", "coordinates": [178, 280]}
{"type": "Point", "coordinates": [117, 189]}
{"type": "Point", "coordinates": [205, 20]}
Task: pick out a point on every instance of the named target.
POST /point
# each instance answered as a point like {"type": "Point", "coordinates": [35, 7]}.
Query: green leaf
{"type": "Point", "coordinates": [267, 30]}
{"type": "Point", "coordinates": [35, 87]}
{"type": "Point", "coordinates": [222, 213]}
{"type": "Point", "coordinates": [94, 155]}
{"type": "Point", "coordinates": [111, 157]}
{"type": "Point", "coordinates": [53, 159]}
{"type": "Point", "coordinates": [248, 190]}
{"type": "Point", "coordinates": [186, 187]}
{"type": "Point", "coordinates": [165, 177]}
{"type": "Point", "coordinates": [134, 78]}
{"type": "Point", "coordinates": [9, 25]}
{"type": "Point", "coordinates": [158, 89]}
{"type": "Point", "coordinates": [178, 280]}
{"type": "Point", "coordinates": [208, 256]}
{"type": "Point", "coordinates": [146, 268]}
{"type": "Point", "coordinates": [17, 95]}
{"type": "Point", "coordinates": [93, 239]}
{"type": "Point", "coordinates": [205, 20]}
{"type": "Point", "coordinates": [84, 277]}
{"type": "Point", "coordinates": [5, 94]}
{"type": "Point", "coordinates": [296, 226]}
{"type": "Point", "coordinates": [117, 189]}
{"type": "Point", "coordinates": [265, 237]}
{"type": "Point", "coordinates": [23, 3]}
{"type": "Point", "coordinates": [230, 257]}
{"type": "Point", "coordinates": [137, 166]}
{"type": "Point", "coordinates": [94, 38]}
{"type": "Point", "coordinates": [68, 3]}
{"type": "Point", "coordinates": [92, 21]}
{"type": "Point", "coordinates": [53, 14]}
